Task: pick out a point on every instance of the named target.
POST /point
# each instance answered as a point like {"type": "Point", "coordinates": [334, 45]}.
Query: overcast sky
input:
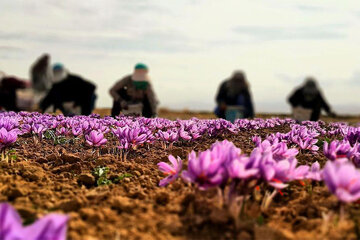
{"type": "Point", "coordinates": [192, 45]}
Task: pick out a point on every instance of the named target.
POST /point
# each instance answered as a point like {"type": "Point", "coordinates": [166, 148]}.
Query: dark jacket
{"type": "Point", "coordinates": [8, 87]}
{"type": "Point", "coordinates": [316, 104]}
{"type": "Point", "coordinates": [125, 90]}
{"type": "Point", "coordinates": [72, 88]}
{"type": "Point", "coordinates": [223, 97]}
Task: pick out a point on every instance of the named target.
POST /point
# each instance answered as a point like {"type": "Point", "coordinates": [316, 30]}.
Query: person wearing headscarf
{"type": "Point", "coordinates": [70, 93]}
{"type": "Point", "coordinates": [309, 98]}
{"type": "Point", "coordinates": [8, 87]}
{"type": "Point", "coordinates": [234, 94]}
{"type": "Point", "coordinates": [134, 94]}
{"type": "Point", "coordinates": [41, 76]}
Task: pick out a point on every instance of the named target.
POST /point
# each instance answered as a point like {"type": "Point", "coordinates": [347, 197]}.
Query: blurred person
{"type": "Point", "coordinates": [41, 77]}
{"type": "Point", "coordinates": [70, 93]}
{"type": "Point", "coordinates": [234, 99]}
{"type": "Point", "coordinates": [9, 85]}
{"type": "Point", "coordinates": [307, 102]}
{"type": "Point", "coordinates": [134, 95]}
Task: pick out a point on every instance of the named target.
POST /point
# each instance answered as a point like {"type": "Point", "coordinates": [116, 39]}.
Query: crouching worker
{"type": "Point", "coordinates": [134, 95]}
{"type": "Point", "coordinates": [234, 99]}
{"type": "Point", "coordinates": [9, 86]}
{"type": "Point", "coordinates": [307, 102]}
{"type": "Point", "coordinates": [71, 94]}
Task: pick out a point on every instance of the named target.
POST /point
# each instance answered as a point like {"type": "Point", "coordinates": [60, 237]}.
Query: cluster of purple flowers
{"type": "Point", "coordinates": [131, 132]}
{"type": "Point", "coordinates": [274, 164]}
{"type": "Point", "coordinates": [271, 162]}
{"type": "Point", "coordinates": [50, 227]}
{"type": "Point", "coordinates": [342, 151]}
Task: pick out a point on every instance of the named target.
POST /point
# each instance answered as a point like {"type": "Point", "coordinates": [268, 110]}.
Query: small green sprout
{"type": "Point", "coordinates": [9, 155]}
{"type": "Point", "coordinates": [101, 175]}
{"type": "Point", "coordinates": [57, 140]}
{"type": "Point", "coordinates": [260, 220]}
{"type": "Point", "coordinates": [123, 176]}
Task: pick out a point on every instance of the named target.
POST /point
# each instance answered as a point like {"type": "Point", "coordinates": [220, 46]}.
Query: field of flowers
{"type": "Point", "coordinates": [137, 178]}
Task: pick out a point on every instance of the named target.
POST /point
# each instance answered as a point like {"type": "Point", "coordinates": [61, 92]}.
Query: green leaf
{"type": "Point", "coordinates": [103, 181]}
{"type": "Point", "coordinates": [260, 220]}
{"type": "Point", "coordinates": [122, 176]}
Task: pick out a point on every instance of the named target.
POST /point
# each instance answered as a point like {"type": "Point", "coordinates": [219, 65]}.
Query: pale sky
{"type": "Point", "coordinates": [191, 46]}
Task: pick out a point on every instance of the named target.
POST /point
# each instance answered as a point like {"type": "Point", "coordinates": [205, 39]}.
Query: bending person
{"type": "Point", "coordinates": [134, 95]}
{"type": "Point", "coordinates": [41, 77]}
{"type": "Point", "coordinates": [8, 88]}
{"type": "Point", "coordinates": [307, 102]}
{"type": "Point", "coordinates": [234, 99]}
{"type": "Point", "coordinates": [70, 93]}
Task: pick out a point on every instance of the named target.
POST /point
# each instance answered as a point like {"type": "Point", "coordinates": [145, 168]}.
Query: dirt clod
{"type": "Point", "coordinates": [86, 179]}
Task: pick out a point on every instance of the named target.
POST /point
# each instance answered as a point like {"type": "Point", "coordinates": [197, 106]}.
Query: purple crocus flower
{"type": "Point", "coordinates": [257, 140]}
{"type": "Point", "coordinates": [315, 172]}
{"type": "Point", "coordinates": [172, 171]}
{"type": "Point", "coordinates": [300, 172]}
{"type": "Point", "coordinates": [124, 144]}
{"type": "Point", "coordinates": [168, 136]}
{"type": "Point", "coordinates": [184, 134]}
{"type": "Point", "coordinates": [353, 135]}
{"type": "Point", "coordinates": [343, 180]}
{"type": "Point", "coordinates": [240, 168]}
{"type": "Point", "coordinates": [281, 151]}
{"type": "Point", "coordinates": [26, 128]}
{"type": "Point", "coordinates": [62, 131]}
{"type": "Point", "coordinates": [7, 137]}
{"type": "Point", "coordinates": [307, 144]}
{"type": "Point", "coordinates": [132, 137]}
{"type": "Point", "coordinates": [337, 150]}
{"type": "Point", "coordinates": [50, 227]}
{"type": "Point", "coordinates": [38, 129]}
{"type": "Point", "coordinates": [10, 223]}
{"type": "Point", "coordinates": [76, 130]}
{"type": "Point", "coordinates": [205, 170]}
{"type": "Point", "coordinates": [95, 138]}
{"type": "Point", "coordinates": [355, 155]}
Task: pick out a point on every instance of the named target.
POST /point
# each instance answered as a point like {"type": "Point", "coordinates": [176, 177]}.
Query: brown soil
{"type": "Point", "coordinates": [46, 178]}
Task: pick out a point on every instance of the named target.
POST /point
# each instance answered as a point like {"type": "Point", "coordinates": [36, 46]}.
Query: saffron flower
{"type": "Point", "coordinates": [50, 227]}
{"type": "Point", "coordinates": [353, 135]}
{"type": "Point", "coordinates": [184, 134]}
{"type": "Point", "coordinates": [38, 129]}
{"type": "Point", "coordinates": [133, 137]}
{"type": "Point", "coordinates": [172, 171]}
{"type": "Point", "coordinates": [281, 151]}
{"type": "Point", "coordinates": [343, 180]}
{"type": "Point", "coordinates": [95, 138]}
{"type": "Point", "coordinates": [240, 168]}
{"type": "Point", "coordinates": [7, 137]}
{"type": "Point", "coordinates": [337, 150]}
{"type": "Point", "coordinates": [168, 136]}
{"type": "Point", "coordinates": [206, 170]}
{"type": "Point", "coordinates": [315, 172]}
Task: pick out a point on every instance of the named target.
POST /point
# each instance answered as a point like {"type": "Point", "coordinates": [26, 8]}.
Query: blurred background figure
{"type": "Point", "coordinates": [134, 95]}
{"type": "Point", "coordinates": [9, 85]}
{"type": "Point", "coordinates": [307, 102]}
{"type": "Point", "coordinates": [70, 93]}
{"type": "Point", "coordinates": [234, 99]}
{"type": "Point", "coordinates": [41, 77]}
